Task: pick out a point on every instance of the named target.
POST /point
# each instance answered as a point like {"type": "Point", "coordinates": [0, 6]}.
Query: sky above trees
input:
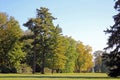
{"type": "Point", "coordinates": [84, 20]}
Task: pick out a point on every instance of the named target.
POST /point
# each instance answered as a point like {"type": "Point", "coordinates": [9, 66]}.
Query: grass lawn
{"type": "Point", "coordinates": [62, 76]}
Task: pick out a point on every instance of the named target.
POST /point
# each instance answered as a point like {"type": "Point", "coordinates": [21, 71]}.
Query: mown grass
{"type": "Point", "coordinates": [62, 76]}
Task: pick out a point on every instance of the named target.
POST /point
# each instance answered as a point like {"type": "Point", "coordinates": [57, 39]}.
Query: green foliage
{"type": "Point", "coordinates": [3, 19]}
{"type": "Point", "coordinates": [71, 55]}
{"type": "Point", "coordinates": [16, 55]}
{"type": "Point", "coordinates": [84, 59]}
{"type": "Point", "coordinates": [42, 27]}
{"type": "Point", "coordinates": [24, 68]}
{"type": "Point", "coordinates": [10, 49]}
{"type": "Point", "coordinates": [27, 47]}
{"type": "Point", "coordinates": [41, 47]}
{"type": "Point", "coordinates": [57, 59]}
{"type": "Point", "coordinates": [7, 69]}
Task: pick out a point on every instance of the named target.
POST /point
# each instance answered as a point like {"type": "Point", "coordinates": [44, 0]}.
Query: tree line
{"type": "Point", "coordinates": [41, 48]}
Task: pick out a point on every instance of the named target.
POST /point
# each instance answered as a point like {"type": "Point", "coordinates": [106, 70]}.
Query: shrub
{"type": "Point", "coordinates": [24, 68]}
{"type": "Point", "coordinates": [5, 69]}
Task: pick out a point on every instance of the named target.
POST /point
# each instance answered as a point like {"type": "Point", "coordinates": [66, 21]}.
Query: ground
{"type": "Point", "coordinates": [62, 76]}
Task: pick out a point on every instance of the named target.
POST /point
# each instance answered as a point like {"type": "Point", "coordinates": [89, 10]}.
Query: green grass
{"type": "Point", "coordinates": [62, 76]}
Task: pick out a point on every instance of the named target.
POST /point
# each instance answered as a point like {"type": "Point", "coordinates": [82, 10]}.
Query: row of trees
{"type": "Point", "coordinates": [41, 46]}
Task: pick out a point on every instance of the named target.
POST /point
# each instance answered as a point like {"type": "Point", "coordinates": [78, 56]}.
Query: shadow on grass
{"type": "Point", "coordinates": [72, 77]}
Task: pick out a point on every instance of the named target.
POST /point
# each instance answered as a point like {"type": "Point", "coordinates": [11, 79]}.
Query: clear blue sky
{"type": "Point", "coordinates": [84, 20]}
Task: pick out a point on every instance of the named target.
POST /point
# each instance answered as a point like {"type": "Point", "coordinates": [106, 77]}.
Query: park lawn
{"type": "Point", "coordinates": [62, 76]}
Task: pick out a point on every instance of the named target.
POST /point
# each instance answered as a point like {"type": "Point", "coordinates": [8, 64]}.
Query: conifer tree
{"type": "Point", "coordinates": [43, 34]}
{"type": "Point", "coordinates": [112, 60]}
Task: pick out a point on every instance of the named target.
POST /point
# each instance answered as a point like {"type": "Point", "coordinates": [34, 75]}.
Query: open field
{"type": "Point", "coordinates": [63, 76]}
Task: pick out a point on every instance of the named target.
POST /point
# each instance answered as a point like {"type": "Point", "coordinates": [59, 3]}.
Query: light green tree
{"type": "Point", "coordinates": [71, 55]}
{"type": "Point", "coordinates": [84, 59]}
{"type": "Point", "coordinates": [57, 59]}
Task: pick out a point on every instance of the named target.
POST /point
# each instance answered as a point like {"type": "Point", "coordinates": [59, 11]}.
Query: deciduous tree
{"type": "Point", "coordinates": [84, 59]}
{"type": "Point", "coordinates": [11, 53]}
{"type": "Point", "coordinates": [70, 54]}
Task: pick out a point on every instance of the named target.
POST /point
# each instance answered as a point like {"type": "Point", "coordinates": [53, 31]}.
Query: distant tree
{"type": "Point", "coordinates": [88, 59]}
{"type": "Point", "coordinates": [43, 32]}
{"type": "Point", "coordinates": [84, 59]}
{"type": "Point", "coordinates": [80, 60]}
{"type": "Point", "coordinates": [99, 65]}
{"type": "Point", "coordinates": [113, 59]}
{"type": "Point", "coordinates": [97, 60]}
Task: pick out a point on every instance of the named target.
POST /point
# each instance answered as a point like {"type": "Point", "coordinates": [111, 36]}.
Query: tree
{"type": "Point", "coordinates": [16, 55]}
{"type": "Point", "coordinates": [84, 59]}
{"type": "Point", "coordinates": [79, 61]}
{"type": "Point", "coordinates": [71, 55]}
{"type": "Point", "coordinates": [88, 59]}
{"type": "Point", "coordinates": [99, 65]}
{"type": "Point", "coordinates": [27, 47]}
{"type": "Point", "coordinates": [97, 61]}
{"type": "Point", "coordinates": [11, 53]}
{"type": "Point", "coordinates": [3, 19]}
{"type": "Point", "coordinates": [57, 59]}
{"type": "Point", "coordinates": [42, 27]}
{"type": "Point", "coordinates": [113, 59]}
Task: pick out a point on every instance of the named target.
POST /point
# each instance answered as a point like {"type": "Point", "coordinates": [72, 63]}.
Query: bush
{"type": "Point", "coordinates": [6, 69]}
{"type": "Point", "coordinates": [24, 69]}
{"type": "Point", "coordinates": [13, 70]}
{"type": "Point", "coordinates": [47, 70]}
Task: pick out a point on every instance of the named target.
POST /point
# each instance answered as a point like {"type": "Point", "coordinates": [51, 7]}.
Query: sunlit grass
{"type": "Point", "coordinates": [62, 76]}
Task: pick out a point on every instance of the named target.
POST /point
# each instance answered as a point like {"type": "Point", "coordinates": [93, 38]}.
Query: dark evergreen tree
{"type": "Point", "coordinates": [43, 30]}
{"type": "Point", "coordinates": [112, 60]}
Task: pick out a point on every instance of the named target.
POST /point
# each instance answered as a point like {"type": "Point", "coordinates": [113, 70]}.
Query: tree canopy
{"type": "Point", "coordinates": [113, 59]}
{"type": "Point", "coordinates": [10, 49]}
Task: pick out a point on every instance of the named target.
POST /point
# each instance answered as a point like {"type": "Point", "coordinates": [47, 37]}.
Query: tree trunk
{"type": "Point", "coordinates": [52, 71]}
{"type": "Point", "coordinates": [43, 64]}
{"type": "Point", "coordinates": [57, 70]}
{"type": "Point", "coordinates": [34, 54]}
{"type": "Point", "coordinates": [79, 70]}
{"type": "Point", "coordinates": [34, 62]}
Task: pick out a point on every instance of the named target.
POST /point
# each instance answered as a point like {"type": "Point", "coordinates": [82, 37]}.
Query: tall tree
{"type": "Point", "coordinates": [10, 48]}
{"type": "Point", "coordinates": [113, 59]}
{"type": "Point", "coordinates": [79, 62]}
{"type": "Point", "coordinates": [42, 27]}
